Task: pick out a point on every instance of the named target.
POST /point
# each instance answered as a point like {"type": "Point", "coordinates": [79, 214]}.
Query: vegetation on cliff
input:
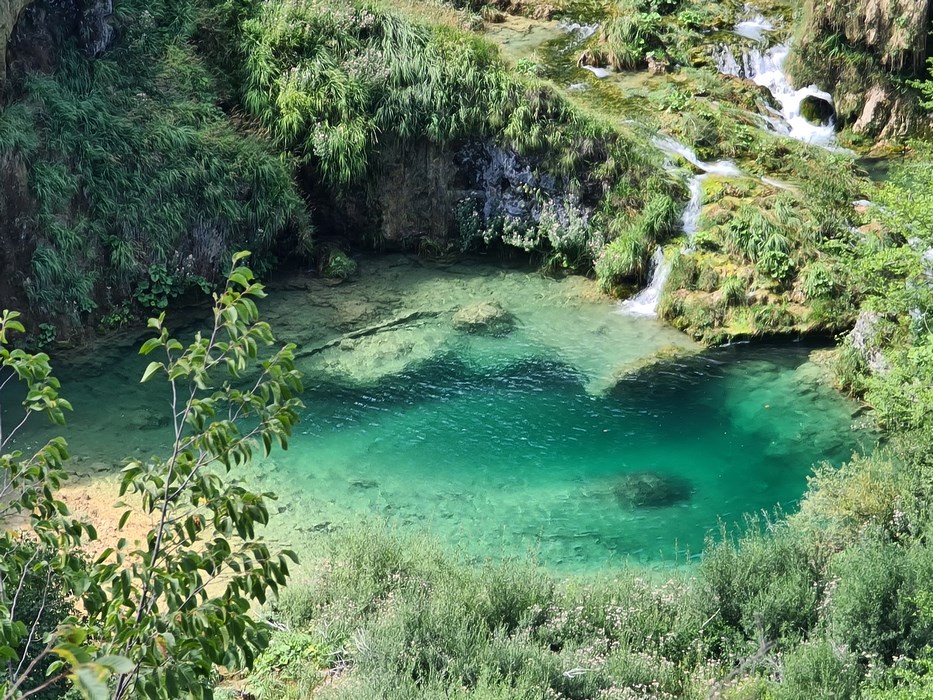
{"type": "Point", "coordinates": [129, 177]}
{"type": "Point", "coordinates": [125, 184]}
{"type": "Point", "coordinates": [866, 52]}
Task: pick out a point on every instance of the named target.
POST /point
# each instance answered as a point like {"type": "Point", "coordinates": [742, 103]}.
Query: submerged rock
{"type": "Point", "coordinates": [484, 318]}
{"type": "Point", "coordinates": [651, 489]}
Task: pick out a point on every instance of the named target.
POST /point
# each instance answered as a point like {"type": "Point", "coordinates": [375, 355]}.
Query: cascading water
{"type": "Point", "coordinates": [582, 31]}
{"type": "Point", "coordinates": [754, 28]}
{"type": "Point", "coordinates": [645, 303]}
{"type": "Point", "coordinates": [672, 147]}
{"type": "Point", "coordinates": [765, 67]}
{"type": "Point", "coordinates": [597, 71]}
{"type": "Point", "coordinates": [691, 218]}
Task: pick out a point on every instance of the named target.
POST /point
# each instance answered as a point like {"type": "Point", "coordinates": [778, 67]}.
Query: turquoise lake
{"type": "Point", "coordinates": [510, 445]}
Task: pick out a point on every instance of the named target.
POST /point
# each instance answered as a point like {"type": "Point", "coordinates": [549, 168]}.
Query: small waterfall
{"type": "Point", "coordinates": [754, 28]}
{"type": "Point", "coordinates": [672, 147]}
{"type": "Point", "coordinates": [597, 71]}
{"type": "Point", "coordinates": [765, 67]}
{"type": "Point", "coordinates": [583, 31]}
{"type": "Point", "coordinates": [691, 217]}
{"type": "Point", "coordinates": [645, 303]}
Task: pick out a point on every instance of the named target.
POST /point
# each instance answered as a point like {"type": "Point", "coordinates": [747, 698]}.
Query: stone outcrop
{"type": "Point", "coordinates": [10, 11]}
{"type": "Point", "coordinates": [30, 30]}
{"type": "Point", "coordinates": [866, 341]}
{"type": "Point", "coordinates": [416, 190]}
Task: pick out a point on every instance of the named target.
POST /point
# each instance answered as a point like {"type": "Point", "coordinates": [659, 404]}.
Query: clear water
{"type": "Point", "coordinates": [520, 457]}
{"type": "Point", "coordinates": [503, 446]}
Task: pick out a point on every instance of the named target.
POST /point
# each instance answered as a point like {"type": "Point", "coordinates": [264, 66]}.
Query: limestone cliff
{"type": "Point", "coordinates": [30, 31]}
{"type": "Point", "coordinates": [10, 11]}
{"type": "Point", "coordinates": [861, 51]}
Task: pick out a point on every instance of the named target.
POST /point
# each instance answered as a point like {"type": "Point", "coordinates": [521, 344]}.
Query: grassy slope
{"type": "Point", "coordinates": [140, 184]}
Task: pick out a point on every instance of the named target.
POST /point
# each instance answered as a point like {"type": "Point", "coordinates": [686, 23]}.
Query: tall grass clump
{"type": "Point", "coordinates": [342, 86]}
{"type": "Point", "coordinates": [133, 164]}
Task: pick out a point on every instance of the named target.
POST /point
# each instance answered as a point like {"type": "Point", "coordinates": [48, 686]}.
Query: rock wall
{"type": "Point", "coordinates": [10, 11]}
{"type": "Point", "coordinates": [30, 31]}
{"type": "Point", "coordinates": [861, 50]}
{"type": "Point", "coordinates": [416, 190]}
{"type": "Point", "coordinates": [16, 246]}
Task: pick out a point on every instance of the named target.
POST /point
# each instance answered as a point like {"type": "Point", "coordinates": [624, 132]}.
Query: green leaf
{"type": "Point", "coordinates": [150, 345]}
{"type": "Point", "coordinates": [117, 664]}
{"type": "Point", "coordinates": [151, 369]}
{"type": "Point", "coordinates": [91, 683]}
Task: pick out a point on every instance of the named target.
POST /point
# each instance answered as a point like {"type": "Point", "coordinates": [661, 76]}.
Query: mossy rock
{"type": "Point", "coordinates": [484, 318]}
{"type": "Point", "coordinates": [337, 265]}
{"type": "Point", "coordinates": [816, 110]}
{"type": "Point", "coordinates": [651, 489]}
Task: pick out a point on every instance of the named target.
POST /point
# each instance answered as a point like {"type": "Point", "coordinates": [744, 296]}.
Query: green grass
{"type": "Point", "coordinates": [132, 163]}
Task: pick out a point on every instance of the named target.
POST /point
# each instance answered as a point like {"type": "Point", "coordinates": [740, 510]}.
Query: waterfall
{"type": "Point", "coordinates": [672, 147]}
{"type": "Point", "coordinates": [765, 67]}
{"type": "Point", "coordinates": [597, 71]}
{"type": "Point", "coordinates": [583, 31]}
{"type": "Point", "coordinates": [645, 303]}
{"type": "Point", "coordinates": [754, 28]}
{"type": "Point", "coordinates": [691, 217]}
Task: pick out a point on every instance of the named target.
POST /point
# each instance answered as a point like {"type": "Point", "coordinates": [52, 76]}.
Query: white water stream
{"type": "Point", "coordinates": [645, 303]}
{"type": "Point", "coordinates": [765, 67]}
{"type": "Point", "coordinates": [675, 148]}
{"type": "Point", "coordinates": [754, 28]}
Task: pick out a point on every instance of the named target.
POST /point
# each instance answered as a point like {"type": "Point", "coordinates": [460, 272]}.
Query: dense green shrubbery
{"type": "Point", "coordinates": [337, 84]}
{"type": "Point", "coordinates": [329, 81]}
{"type": "Point", "coordinates": [637, 31]}
{"type": "Point", "coordinates": [132, 162]}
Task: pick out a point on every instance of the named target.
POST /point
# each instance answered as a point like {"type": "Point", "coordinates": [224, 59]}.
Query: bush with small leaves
{"type": "Point", "coordinates": [157, 618]}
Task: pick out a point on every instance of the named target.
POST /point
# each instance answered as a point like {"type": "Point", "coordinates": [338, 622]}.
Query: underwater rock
{"type": "Point", "coordinates": [665, 355]}
{"type": "Point", "coordinates": [484, 318]}
{"type": "Point", "coordinates": [651, 489]}
{"type": "Point", "coordinates": [816, 110]}
{"type": "Point", "coordinates": [364, 484]}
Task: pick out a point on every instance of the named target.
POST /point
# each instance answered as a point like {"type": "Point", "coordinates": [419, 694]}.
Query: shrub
{"type": "Point", "coordinates": [870, 613]}
{"type": "Point", "coordinates": [624, 258]}
{"type": "Point", "coordinates": [817, 669]}
{"type": "Point", "coordinates": [817, 281]}
{"type": "Point", "coordinates": [338, 265]}
{"type": "Point", "coordinates": [289, 668]}
{"type": "Point", "coordinates": [765, 584]}
{"type": "Point", "coordinates": [734, 291]}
